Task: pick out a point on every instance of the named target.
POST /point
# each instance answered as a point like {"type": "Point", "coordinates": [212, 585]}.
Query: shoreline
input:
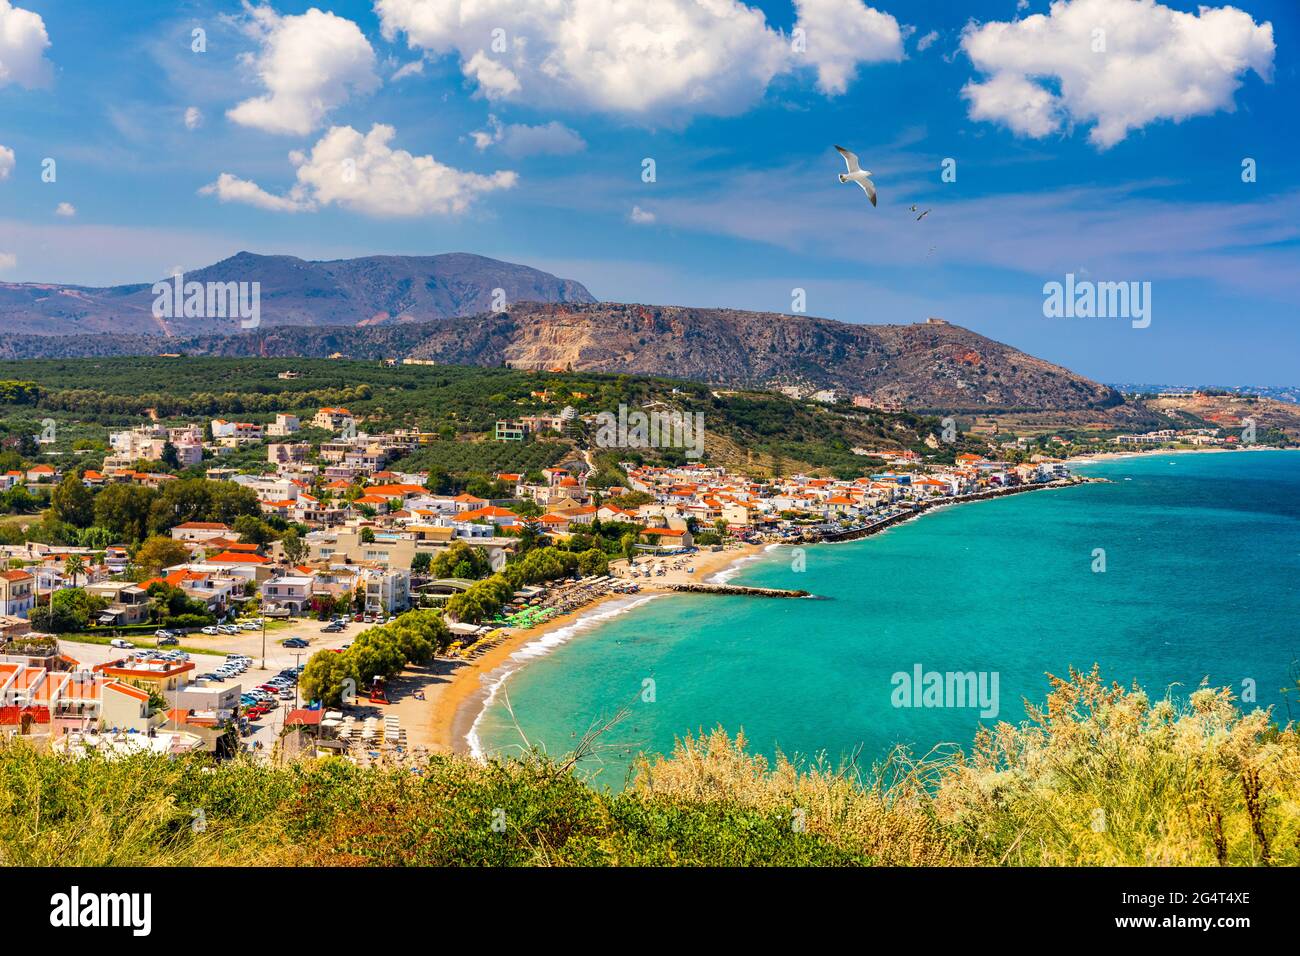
{"type": "Point", "coordinates": [460, 702]}
{"type": "Point", "coordinates": [1121, 455]}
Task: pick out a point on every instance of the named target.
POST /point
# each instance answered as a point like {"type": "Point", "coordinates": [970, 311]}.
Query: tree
{"type": "Point", "coordinates": [230, 501]}
{"type": "Point", "coordinates": [160, 552]}
{"type": "Point", "coordinates": [628, 546]}
{"type": "Point", "coordinates": [70, 609]}
{"type": "Point", "coordinates": [73, 503]}
{"type": "Point", "coordinates": [295, 549]}
{"type": "Point", "coordinates": [253, 530]}
{"type": "Point", "coordinates": [170, 456]}
{"type": "Point", "coordinates": [420, 563]}
{"type": "Point", "coordinates": [124, 510]}
{"type": "Point", "coordinates": [367, 536]}
{"type": "Point", "coordinates": [74, 566]}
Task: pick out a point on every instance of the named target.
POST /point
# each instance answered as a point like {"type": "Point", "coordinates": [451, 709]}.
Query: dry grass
{"type": "Point", "coordinates": [1099, 776]}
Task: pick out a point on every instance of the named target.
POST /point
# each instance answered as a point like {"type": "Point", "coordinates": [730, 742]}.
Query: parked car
{"type": "Point", "coordinates": [211, 629]}
{"type": "Point", "coordinates": [287, 695]}
{"type": "Point", "coordinates": [250, 626]}
{"type": "Point", "coordinates": [120, 642]}
{"type": "Point", "coordinates": [168, 640]}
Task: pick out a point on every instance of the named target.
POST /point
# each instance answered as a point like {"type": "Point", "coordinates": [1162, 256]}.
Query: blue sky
{"type": "Point", "coordinates": [1119, 163]}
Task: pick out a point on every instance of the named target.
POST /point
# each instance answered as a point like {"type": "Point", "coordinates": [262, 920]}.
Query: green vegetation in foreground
{"type": "Point", "coordinates": [1100, 776]}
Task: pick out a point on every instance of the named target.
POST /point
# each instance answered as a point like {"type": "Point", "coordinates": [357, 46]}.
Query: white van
{"type": "Point", "coordinates": [119, 642]}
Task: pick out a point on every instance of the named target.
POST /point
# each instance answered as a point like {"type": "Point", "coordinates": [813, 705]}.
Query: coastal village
{"type": "Point", "coordinates": [164, 646]}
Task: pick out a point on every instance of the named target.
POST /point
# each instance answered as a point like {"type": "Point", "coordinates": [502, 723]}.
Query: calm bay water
{"type": "Point", "coordinates": [1202, 572]}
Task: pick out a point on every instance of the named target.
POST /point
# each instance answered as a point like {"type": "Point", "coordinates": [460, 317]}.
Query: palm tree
{"type": "Point", "coordinates": [74, 566]}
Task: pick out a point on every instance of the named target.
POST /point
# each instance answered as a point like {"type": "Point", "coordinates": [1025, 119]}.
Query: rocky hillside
{"type": "Point", "coordinates": [374, 290]}
{"type": "Point", "coordinates": [926, 365]}
{"type": "Point", "coordinates": [929, 365]}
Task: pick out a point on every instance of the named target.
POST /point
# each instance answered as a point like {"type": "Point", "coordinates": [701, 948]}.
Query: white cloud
{"type": "Point", "coordinates": [310, 64]}
{"type": "Point", "coordinates": [6, 162]}
{"type": "Point", "coordinates": [193, 117]}
{"type": "Point", "coordinates": [23, 42]}
{"type": "Point", "coordinates": [65, 209]}
{"type": "Point", "coordinates": [8, 260]}
{"type": "Point", "coordinates": [844, 33]}
{"type": "Point", "coordinates": [654, 58]}
{"type": "Point", "coordinates": [518, 139]}
{"type": "Point", "coordinates": [414, 68]}
{"type": "Point", "coordinates": [927, 41]}
{"type": "Point", "coordinates": [230, 188]}
{"type": "Point", "coordinates": [1021, 104]}
{"type": "Point", "coordinates": [365, 174]}
{"type": "Point", "coordinates": [1156, 64]}
{"type": "Point", "coordinates": [640, 216]}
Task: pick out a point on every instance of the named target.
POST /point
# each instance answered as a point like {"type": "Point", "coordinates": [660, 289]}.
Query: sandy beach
{"type": "Point", "coordinates": [454, 692]}
{"type": "Point", "coordinates": [1147, 453]}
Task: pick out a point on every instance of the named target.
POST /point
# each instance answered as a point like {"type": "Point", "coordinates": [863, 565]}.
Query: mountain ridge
{"type": "Point", "coordinates": [367, 290]}
{"type": "Point", "coordinates": [931, 364]}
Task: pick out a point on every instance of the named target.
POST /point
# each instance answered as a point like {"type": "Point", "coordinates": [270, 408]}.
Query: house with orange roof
{"type": "Point", "coordinates": [666, 539]}
{"type": "Point", "coordinates": [38, 473]}
{"type": "Point", "coordinates": [17, 593]}
{"type": "Point", "coordinates": [490, 514]}
{"type": "Point", "coordinates": [468, 502]}
{"type": "Point", "coordinates": [201, 531]}
{"type": "Point", "coordinates": [239, 564]}
{"type": "Point", "coordinates": [333, 419]}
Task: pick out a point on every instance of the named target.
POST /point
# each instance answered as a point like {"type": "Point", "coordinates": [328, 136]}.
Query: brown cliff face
{"type": "Point", "coordinates": [924, 365]}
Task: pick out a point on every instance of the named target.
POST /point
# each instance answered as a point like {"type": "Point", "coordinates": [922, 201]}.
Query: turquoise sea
{"type": "Point", "coordinates": [1202, 570]}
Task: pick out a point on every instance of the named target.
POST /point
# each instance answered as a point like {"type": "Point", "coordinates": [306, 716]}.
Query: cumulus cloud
{"type": "Point", "coordinates": [927, 41]}
{"type": "Point", "coordinates": [640, 216]}
{"type": "Point", "coordinates": [310, 65]}
{"type": "Point", "coordinates": [23, 42]}
{"type": "Point", "coordinates": [844, 33]}
{"type": "Point", "coordinates": [365, 174]}
{"type": "Point", "coordinates": [1119, 65]}
{"type": "Point", "coordinates": [653, 58]}
{"type": "Point", "coordinates": [193, 117]}
{"type": "Point", "coordinates": [6, 162]}
{"type": "Point", "coordinates": [65, 209]}
{"type": "Point", "coordinates": [518, 139]}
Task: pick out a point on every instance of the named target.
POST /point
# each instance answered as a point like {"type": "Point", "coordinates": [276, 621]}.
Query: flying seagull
{"type": "Point", "coordinates": [923, 214]}
{"type": "Point", "coordinates": [857, 174]}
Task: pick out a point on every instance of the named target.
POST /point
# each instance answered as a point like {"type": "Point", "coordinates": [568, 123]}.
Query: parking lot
{"type": "Point", "coordinates": [248, 643]}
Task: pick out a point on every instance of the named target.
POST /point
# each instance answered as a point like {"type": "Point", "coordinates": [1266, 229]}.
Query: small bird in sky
{"type": "Point", "coordinates": [922, 215]}
{"type": "Point", "coordinates": [857, 174]}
